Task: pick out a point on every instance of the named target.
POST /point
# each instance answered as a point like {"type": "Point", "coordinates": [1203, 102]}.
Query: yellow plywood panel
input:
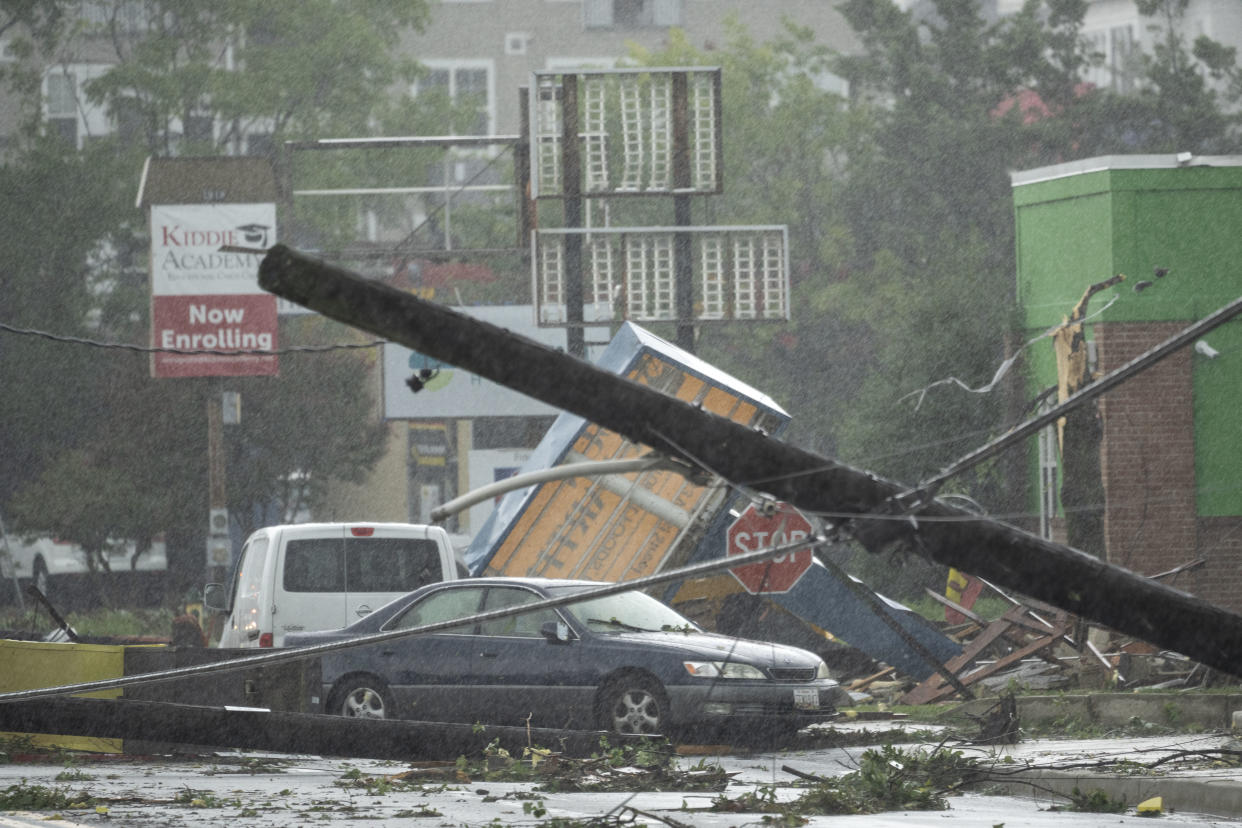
{"type": "Point", "coordinates": [29, 665]}
{"type": "Point", "coordinates": [621, 526]}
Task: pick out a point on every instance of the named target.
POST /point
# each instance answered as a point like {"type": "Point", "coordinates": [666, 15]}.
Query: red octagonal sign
{"type": "Point", "coordinates": [752, 531]}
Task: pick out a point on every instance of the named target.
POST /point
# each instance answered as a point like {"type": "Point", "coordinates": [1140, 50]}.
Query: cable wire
{"type": "Point", "coordinates": [151, 349]}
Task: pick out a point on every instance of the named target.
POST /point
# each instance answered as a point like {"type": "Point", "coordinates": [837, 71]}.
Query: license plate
{"type": "Point", "coordinates": [806, 698]}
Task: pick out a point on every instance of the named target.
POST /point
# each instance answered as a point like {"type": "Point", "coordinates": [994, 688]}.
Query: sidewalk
{"type": "Point", "coordinates": [1115, 765]}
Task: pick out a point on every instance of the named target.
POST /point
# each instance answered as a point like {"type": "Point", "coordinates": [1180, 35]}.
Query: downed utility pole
{"type": "Point", "coordinates": [875, 511]}
{"type": "Point", "coordinates": [166, 724]}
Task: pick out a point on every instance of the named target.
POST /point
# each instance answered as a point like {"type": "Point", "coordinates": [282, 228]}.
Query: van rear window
{"type": "Point", "coordinates": [371, 565]}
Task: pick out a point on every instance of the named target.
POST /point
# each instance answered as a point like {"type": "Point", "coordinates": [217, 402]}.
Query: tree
{"type": "Point", "coordinates": [784, 135]}
{"type": "Point", "coordinates": [60, 211]}
{"type": "Point", "coordinates": [99, 449]}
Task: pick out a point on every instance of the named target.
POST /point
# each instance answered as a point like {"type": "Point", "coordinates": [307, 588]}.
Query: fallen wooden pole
{"type": "Point", "coordinates": [194, 727]}
{"type": "Point", "coordinates": [875, 511]}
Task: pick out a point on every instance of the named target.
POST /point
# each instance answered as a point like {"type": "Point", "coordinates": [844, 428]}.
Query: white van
{"type": "Point", "coordinates": [322, 576]}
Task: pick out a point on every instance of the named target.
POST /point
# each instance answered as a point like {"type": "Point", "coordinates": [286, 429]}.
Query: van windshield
{"type": "Point", "coordinates": [361, 564]}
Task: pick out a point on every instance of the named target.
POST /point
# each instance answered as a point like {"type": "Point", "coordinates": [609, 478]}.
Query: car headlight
{"type": "Point", "coordinates": [821, 672]}
{"type": "Point", "coordinates": [722, 669]}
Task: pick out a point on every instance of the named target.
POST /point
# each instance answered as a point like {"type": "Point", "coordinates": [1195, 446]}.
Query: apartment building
{"type": "Point", "coordinates": [491, 47]}
{"type": "Point", "coordinates": [1120, 34]}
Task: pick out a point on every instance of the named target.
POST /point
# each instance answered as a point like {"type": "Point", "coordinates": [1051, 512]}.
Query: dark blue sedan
{"type": "Point", "coordinates": [623, 662]}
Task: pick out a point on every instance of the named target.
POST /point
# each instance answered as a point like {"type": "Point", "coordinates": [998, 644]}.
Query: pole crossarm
{"type": "Point", "coordinates": [403, 142]}
{"type": "Point", "coordinates": [870, 508]}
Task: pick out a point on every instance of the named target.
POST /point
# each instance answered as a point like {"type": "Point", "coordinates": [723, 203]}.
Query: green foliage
{"type": "Point", "coordinates": [1095, 801]}
{"type": "Point", "coordinates": [887, 779]}
{"type": "Point", "coordinates": [642, 753]}
{"type": "Point", "coordinates": [193, 798]}
{"type": "Point", "coordinates": [24, 797]}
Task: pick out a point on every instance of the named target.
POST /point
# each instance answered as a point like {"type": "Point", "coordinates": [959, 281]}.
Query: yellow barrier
{"type": "Point", "coordinates": [27, 665]}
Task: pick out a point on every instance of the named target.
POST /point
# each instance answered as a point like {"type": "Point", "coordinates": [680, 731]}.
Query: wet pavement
{"type": "Point", "coordinates": [248, 788]}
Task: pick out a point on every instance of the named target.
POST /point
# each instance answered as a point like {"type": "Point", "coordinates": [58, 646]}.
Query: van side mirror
{"type": "Point", "coordinates": [556, 632]}
{"type": "Point", "coordinates": [216, 598]}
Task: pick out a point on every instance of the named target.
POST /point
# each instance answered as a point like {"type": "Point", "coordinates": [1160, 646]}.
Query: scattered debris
{"type": "Point", "coordinates": [647, 765]}
{"type": "Point", "coordinates": [887, 779]}
{"type": "Point", "coordinates": [999, 725]}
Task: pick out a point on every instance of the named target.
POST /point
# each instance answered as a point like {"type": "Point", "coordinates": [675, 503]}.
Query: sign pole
{"type": "Point", "coordinates": [571, 177]}
{"type": "Point", "coordinates": [683, 274]}
{"type": "Point", "coordinates": [217, 498]}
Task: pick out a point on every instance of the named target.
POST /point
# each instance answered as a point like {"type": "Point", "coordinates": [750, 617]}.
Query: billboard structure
{"type": "Point", "coordinates": [609, 133]}
{"type": "Point", "coordinates": [208, 302]}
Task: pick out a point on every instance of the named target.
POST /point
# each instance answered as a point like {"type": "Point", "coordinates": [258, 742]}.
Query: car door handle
{"type": "Point", "coordinates": [488, 655]}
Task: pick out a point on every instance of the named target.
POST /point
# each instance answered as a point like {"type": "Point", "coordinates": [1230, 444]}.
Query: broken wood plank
{"type": "Point", "coordinates": [875, 511]}
{"type": "Point", "coordinates": [943, 692]}
{"type": "Point", "coordinates": [1012, 627]}
{"type": "Point", "coordinates": [864, 683]}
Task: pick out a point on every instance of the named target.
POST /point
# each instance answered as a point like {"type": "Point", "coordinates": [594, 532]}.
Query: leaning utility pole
{"type": "Point", "coordinates": [875, 511]}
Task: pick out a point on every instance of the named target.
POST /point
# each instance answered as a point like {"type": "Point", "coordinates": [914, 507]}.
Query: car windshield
{"type": "Point", "coordinates": [626, 612]}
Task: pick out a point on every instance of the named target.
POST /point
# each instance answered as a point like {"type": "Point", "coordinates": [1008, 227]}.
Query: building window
{"type": "Point", "coordinates": [1117, 52]}
{"type": "Point", "coordinates": [631, 14]}
{"type": "Point", "coordinates": [62, 106]}
{"type": "Point", "coordinates": [199, 128]}
{"type": "Point", "coordinates": [260, 143]}
{"type": "Point", "coordinates": [465, 84]}
{"type": "Point", "coordinates": [1121, 58]}
{"type": "Point", "coordinates": [128, 119]}
{"type": "Point", "coordinates": [515, 43]}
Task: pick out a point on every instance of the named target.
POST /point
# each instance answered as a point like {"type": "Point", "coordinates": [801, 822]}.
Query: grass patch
{"type": "Point", "coordinates": [95, 622]}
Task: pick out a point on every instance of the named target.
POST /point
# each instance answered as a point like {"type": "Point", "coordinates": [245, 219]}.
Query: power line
{"type": "Point", "coordinates": [151, 349]}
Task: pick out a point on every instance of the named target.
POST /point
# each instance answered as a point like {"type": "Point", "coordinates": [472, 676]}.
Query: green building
{"type": "Point", "coordinates": [1170, 448]}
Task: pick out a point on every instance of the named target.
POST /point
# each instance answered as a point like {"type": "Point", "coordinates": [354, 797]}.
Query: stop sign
{"type": "Point", "coordinates": [754, 530]}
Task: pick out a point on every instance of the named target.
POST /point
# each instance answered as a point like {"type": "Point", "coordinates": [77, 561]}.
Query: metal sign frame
{"type": "Point", "coordinates": [737, 273]}
{"type": "Point", "coordinates": [659, 110]}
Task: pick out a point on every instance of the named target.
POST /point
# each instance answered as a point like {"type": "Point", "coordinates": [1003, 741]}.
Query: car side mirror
{"type": "Point", "coordinates": [216, 598]}
{"type": "Point", "coordinates": [556, 632]}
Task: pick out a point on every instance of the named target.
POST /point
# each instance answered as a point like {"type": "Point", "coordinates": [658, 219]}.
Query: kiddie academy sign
{"type": "Point", "coordinates": [205, 299]}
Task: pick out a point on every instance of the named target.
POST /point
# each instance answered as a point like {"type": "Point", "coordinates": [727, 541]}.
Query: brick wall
{"type": "Point", "coordinates": [1148, 452]}
{"type": "Point", "coordinates": [1220, 579]}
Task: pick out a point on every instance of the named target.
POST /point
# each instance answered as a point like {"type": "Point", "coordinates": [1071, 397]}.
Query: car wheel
{"type": "Point", "coordinates": [634, 706]}
{"type": "Point", "coordinates": [364, 697]}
